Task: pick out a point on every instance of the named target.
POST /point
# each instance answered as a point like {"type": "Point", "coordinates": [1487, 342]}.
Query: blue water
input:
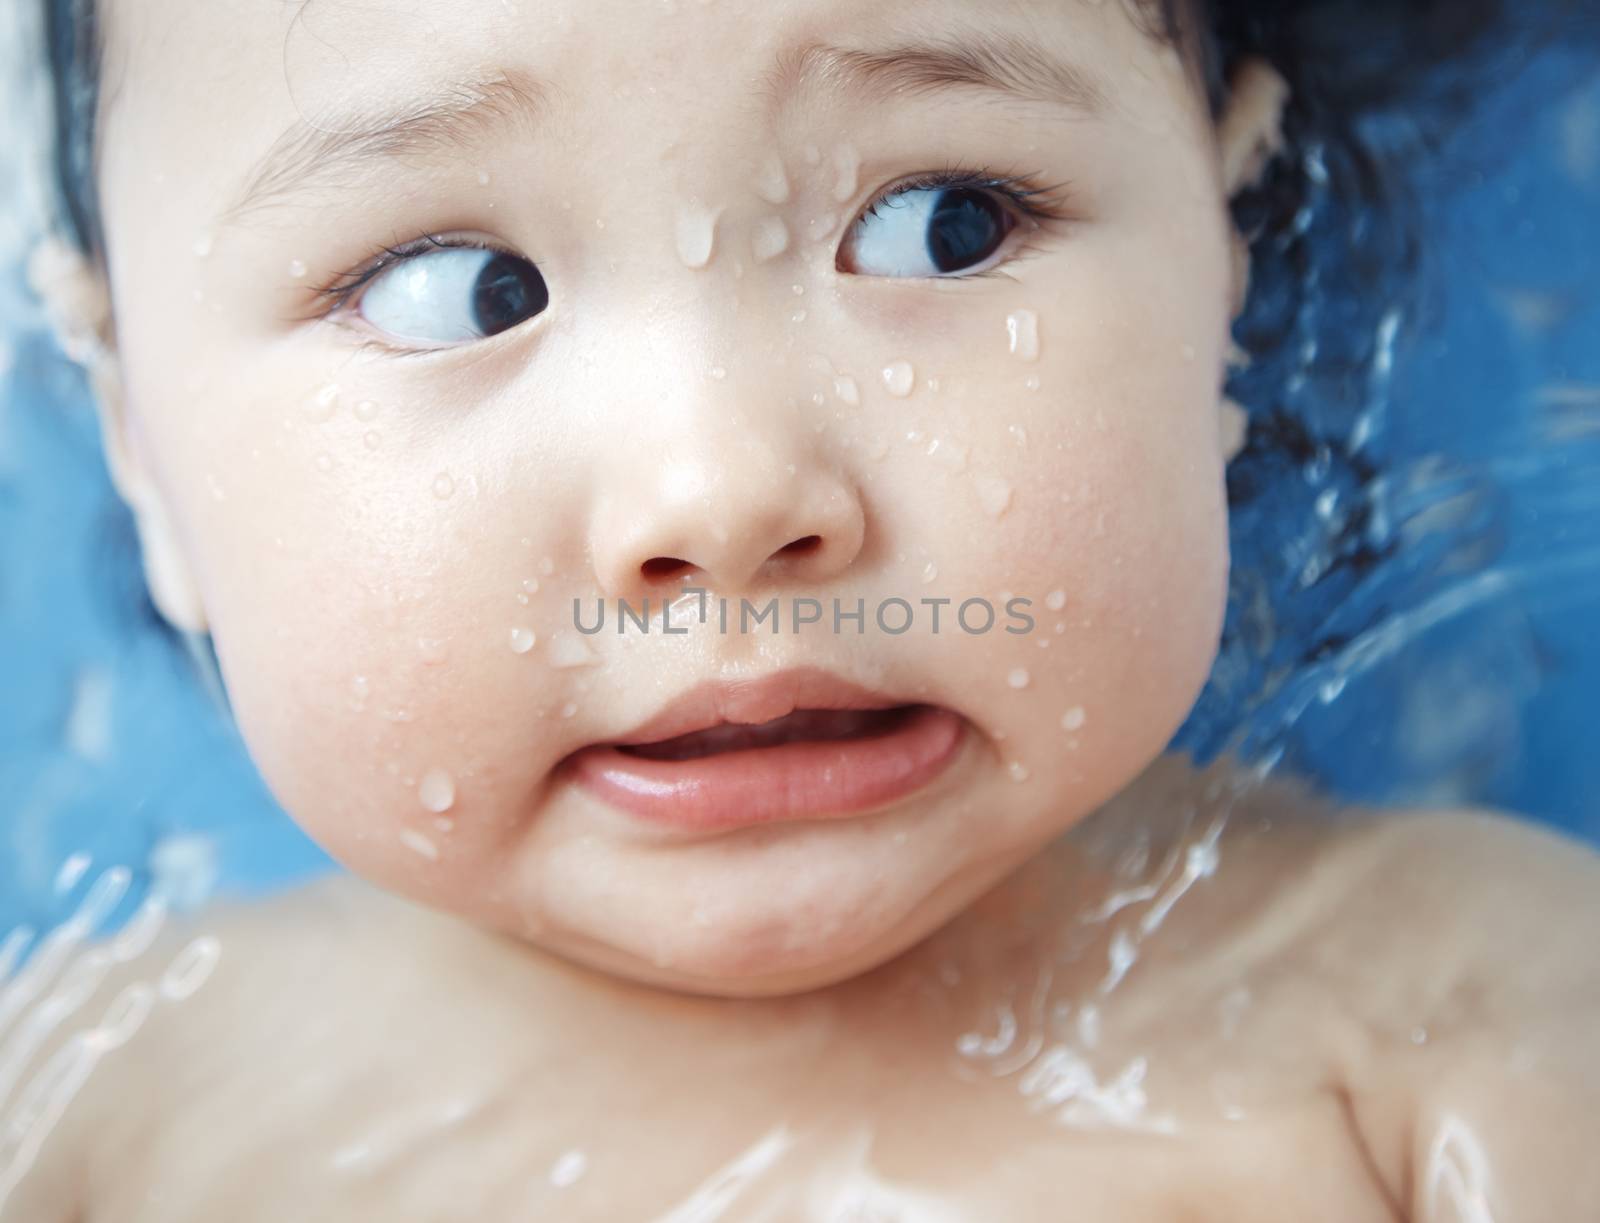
{"type": "Point", "coordinates": [110, 750]}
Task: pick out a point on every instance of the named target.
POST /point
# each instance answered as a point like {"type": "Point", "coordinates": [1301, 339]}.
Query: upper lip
{"type": "Point", "coordinates": [750, 702]}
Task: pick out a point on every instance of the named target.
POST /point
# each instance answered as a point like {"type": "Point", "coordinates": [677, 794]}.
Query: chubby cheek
{"type": "Point", "coordinates": [375, 625]}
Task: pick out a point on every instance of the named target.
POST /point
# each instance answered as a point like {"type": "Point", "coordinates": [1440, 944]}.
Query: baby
{"type": "Point", "coordinates": [713, 513]}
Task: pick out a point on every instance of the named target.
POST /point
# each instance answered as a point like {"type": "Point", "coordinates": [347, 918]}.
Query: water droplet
{"type": "Point", "coordinates": [366, 409]}
{"type": "Point", "coordinates": [1056, 600]}
{"type": "Point", "coordinates": [1019, 772]}
{"type": "Point", "coordinates": [1022, 332]}
{"type": "Point", "coordinates": [772, 184]}
{"type": "Point", "coordinates": [546, 566]}
{"type": "Point", "coordinates": [531, 585]}
{"type": "Point", "coordinates": [1074, 718]}
{"type": "Point", "coordinates": [522, 640]}
{"type": "Point", "coordinates": [321, 406]}
{"type": "Point", "coordinates": [566, 1170]}
{"type": "Point", "coordinates": [930, 573]}
{"type": "Point", "coordinates": [1032, 384]}
{"type": "Point", "coordinates": [697, 228]}
{"type": "Point", "coordinates": [568, 709]}
{"type": "Point", "coordinates": [419, 844]}
{"type": "Point", "coordinates": [718, 373]}
{"type": "Point", "coordinates": [297, 269]}
{"type": "Point", "coordinates": [898, 377]}
{"type": "Point", "coordinates": [844, 386]}
{"type": "Point", "coordinates": [483, 178]}
{"type": "Point", "coordinates": [202, 245]}
{"type": "Point", "coordinates": [443, 485]}
{"type": "Point", "coordinates": [799, 316]}
{"type": "Point", "coordinates": [1019, 678]}
{"type": "Point", "coordinates": [994, 494]}
{"type": "Point", "coordinates": [324, 461]}
{"type": "Point", "coordinates": [437, 791]}
{"type": "Point", "coordinates": [569, 651]}
{"type": "Point", "coordinates": [769, 239]}
{"type": "Point", "coordinates": [847, 165]}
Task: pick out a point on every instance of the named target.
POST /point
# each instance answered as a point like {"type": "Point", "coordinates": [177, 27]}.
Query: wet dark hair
{"type": "Point", "coordinates": [1335, 243]}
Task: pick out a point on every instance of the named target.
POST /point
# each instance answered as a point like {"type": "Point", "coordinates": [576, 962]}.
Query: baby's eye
{"type": "Point", "coordinates": [453, 294]}
{"type": "Point", "coordinates": [927, 230]}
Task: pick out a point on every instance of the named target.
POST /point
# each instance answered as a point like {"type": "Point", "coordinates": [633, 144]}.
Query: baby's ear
{"type": "Point", "coordinates": [1249, 136]}
{"type": "Point", "coordinates": [77, 302]}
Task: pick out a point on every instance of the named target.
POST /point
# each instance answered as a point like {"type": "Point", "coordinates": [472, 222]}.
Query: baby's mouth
{"type": "Point", "coordinates": [795, 745]}
{"type": "Point", "coordinates": [803, 725]}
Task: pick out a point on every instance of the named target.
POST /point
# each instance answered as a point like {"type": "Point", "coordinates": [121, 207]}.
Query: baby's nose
{"type": "Point", "coordinates": [729, 523]}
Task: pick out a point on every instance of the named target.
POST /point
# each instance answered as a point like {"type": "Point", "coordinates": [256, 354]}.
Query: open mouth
{"type": "Point", "coordinates": [801, 726]}
{"type": "Point", "coordinates": [808, 763]}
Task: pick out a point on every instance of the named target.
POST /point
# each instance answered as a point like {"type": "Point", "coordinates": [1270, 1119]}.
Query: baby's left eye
{"type": "Point", "coordinates": [931, 230]}
{"type": "Point", "coordinates": [453, 294]}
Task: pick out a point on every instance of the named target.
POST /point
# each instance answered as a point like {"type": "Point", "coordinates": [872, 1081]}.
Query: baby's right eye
{"type": "Point", "coordinates": [448, 293]}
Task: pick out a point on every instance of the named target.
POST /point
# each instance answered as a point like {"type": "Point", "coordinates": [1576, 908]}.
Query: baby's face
{"type": "Point", "coordinates": [729, 296]}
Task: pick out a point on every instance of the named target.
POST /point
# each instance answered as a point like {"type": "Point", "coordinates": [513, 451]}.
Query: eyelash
{"type": "Point", "coordinates": [1041, 204]}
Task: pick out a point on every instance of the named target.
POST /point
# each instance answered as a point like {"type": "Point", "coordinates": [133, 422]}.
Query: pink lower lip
{"type": "Point", "coordinates": [801, 780]}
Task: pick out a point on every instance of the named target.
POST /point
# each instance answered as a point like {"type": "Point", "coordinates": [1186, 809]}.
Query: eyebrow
{"type": "Point", "coordinates": [343, 152]}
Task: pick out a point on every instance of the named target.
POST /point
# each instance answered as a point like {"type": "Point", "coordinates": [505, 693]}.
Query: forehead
{"type": "Point", "coordinates": [233, 76]}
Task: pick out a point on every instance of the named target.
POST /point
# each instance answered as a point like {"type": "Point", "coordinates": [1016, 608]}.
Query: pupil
{"type": "Point", "coordinates": [964, 229]}
{"type": "Point", "coordinates": [507, 291]}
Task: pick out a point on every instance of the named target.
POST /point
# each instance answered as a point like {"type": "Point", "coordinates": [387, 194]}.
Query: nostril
{"type": "Point", "coordinates": [801, 547]}
{"type": "Point", "coordinates": [663, 567]}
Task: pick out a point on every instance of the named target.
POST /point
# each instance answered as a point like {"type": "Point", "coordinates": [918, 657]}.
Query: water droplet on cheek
{"type": "Point", "coordinates": [321, 406]}
{"type": "Point", "coordinates": [1074, 718]}
{"type": "Point", "coordinates": [1019, 678]}
{"type": "Point", "coordinates": [202, 245]}
{"type": "Point", "coordinates": [994, 494]}
{"type": "Point", "coordinates": [437, 791]}
{"type": "Point", "coordinates": [696, 234]}
{"type": "Point", "coordinates": [899, 377]}
{"type": "Point", "coordinates": [769, 239]}
{"type": "Point", "coordinates": [567, 651]}
{"type": "Point", "coordinates": [366, 410]}
{"type": "Point", "coordinates": [483, 178]}
{"type": "Point", "coordinates": [419, 844]}
{"type": "Point", "coordinates": [844, 386]}
{"type": "Point", "coordinates": [1022, 333]}
{"type": "Point", "coordinates": [522, 640]}
{"type": "Point", "coordinates": [1019, 772]}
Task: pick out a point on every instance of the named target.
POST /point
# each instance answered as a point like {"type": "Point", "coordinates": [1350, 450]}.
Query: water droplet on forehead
{"type": "Point", "coordinates": [696, 233]}
{"type": "Point", "coordinates": [899, 377]}
{"type": "Point", "coordinates": [522, 640]}
{"type": "Point", "coordinates": [1022, 334]}
{"type": "Point", "coordinates": [297, 269]}
{"type": "Point", "coordinates": [437, 791]}
{"type": "Point", "coordinates": [769, 238]}
{"type": "Point", "coordinates": [365, 410]}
